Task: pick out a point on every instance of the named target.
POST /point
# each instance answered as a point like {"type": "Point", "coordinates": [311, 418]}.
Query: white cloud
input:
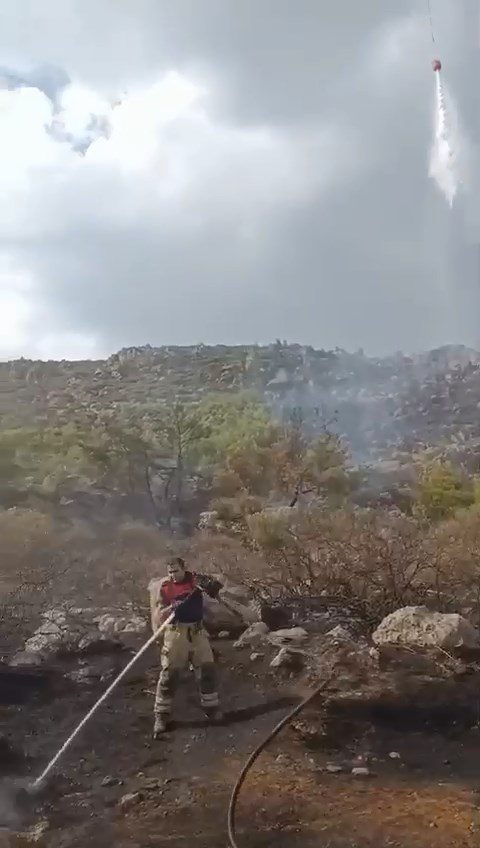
{"type": "Point", "coordinates": [15, 310]}
{"type": "Point", "coordinates": [24, 323]}
{"type": "Point", "coordinates": [137, 121]}
{"type": "Point", "coordinates": [14, 316]}
{"type": "Point", "coordinates": [77, 104]}
{"type": "Point", "coordinates": [165, 165]}
{"type": "Point", "coordinates": [24, 144]}
{"type": "Point", "coordinates": [72, 346]}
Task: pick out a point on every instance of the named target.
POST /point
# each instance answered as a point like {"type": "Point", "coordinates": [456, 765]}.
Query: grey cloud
{"type": "Point", "coordinates": [378, 261]}
{"type": "Point", "coordinates": [272, 59]}
{"type": "Point", "coordinates": [49, 79]}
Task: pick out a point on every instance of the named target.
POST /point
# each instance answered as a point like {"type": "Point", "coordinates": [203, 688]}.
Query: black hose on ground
{"type": "Point", "coordinates": [256, 753]}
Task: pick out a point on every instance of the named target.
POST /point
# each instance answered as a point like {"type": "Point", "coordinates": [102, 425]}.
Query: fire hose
{"type": "Point", "coordinates": [231, 819]}
{"type": "Point", "coordinates": [16, 798]}
{"type": "Point", "coordinates": [22, 792]}
{"type": "Point", "coordinates": [39, 781]}
{"type": "Point", "coordinates": [37, 784]}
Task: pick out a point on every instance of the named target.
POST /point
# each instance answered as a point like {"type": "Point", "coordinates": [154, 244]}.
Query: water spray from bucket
{"type": "Point", "coordinates": [443, 166]}
{"type": "Point", "coordinates": [443, 162]}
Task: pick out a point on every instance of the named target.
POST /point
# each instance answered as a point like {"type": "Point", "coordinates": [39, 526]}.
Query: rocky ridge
{"type": "Point", "coordinates": [380, 406]}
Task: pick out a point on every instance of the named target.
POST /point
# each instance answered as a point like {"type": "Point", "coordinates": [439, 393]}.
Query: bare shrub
{"type": "Point", "coordinates": [218, 554]}
{"type": "Point", "coordinates": [372, 561]}
{"type": "Point", "coordinates": [45, 568]}
{"type": "Point", "coordinates": [29, 568]}
{"type": "Point", "coordinates": [369, 560]}
{"type": "Point", "coordinates": [454, 548]}
{"type": "Point", "coordinates": [227, 509]}
{"type": "Point", "coordinates": [227, 483]}
{"type": "Point", "coordinates": [234, 510]}
{"type": "Point", "coordinates": [115, 568]}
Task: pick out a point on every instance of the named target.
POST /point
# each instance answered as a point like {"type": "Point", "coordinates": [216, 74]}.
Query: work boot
{"type": "Point", "coordinates": [160, 726]}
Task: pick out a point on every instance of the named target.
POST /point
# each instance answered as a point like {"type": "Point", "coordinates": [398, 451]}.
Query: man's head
{"type": "Point", "coordinates": [176, 569]}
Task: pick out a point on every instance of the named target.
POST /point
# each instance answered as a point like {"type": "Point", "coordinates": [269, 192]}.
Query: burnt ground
{"type": "Point", "coordinates": [425, 796]}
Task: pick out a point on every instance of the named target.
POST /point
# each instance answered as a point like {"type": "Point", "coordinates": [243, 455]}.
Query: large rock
{"type": "Point", "coordinates": [288, 658]}
{"type": "Point", "coordinates": [245, 613]}
{"type": "Point", "coordinates": [418, 627]}
{"type": "Point", "coordinates": [292, 636]}
{"type": "Point", "coordinates": [208, 520]}
{"type": "Point", "coordinates": [128, 630]}
{"type": "Point", "coordinates": [218, 617]}
{"type": "Point", "coordinates": [252, 636]}
{"type": "Point", "coordinates": [234, 593]}
{"type": "Point", "coordinates": [238, 599]}
{"type": "Point", "coordinates": [77, 631]}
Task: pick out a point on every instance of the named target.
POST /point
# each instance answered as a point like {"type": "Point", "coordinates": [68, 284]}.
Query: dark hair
{"type": "Point", "coordinates": [176, 561]}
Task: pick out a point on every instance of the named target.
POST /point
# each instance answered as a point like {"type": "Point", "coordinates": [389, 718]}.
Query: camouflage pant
{"type": "Point", "coordinates": [184, 643]}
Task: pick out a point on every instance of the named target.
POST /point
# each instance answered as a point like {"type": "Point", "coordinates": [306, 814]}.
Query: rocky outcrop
{"type": "Point", "coordinates": [379, 405]}
{"type": "Point", "coordinates": [79, 631]}
{"type": "Point", "coordinates": [418, 627]}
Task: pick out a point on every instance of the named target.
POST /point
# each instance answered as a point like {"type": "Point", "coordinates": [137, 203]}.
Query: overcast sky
{"type": "Point", "coordinates": [233, 171]}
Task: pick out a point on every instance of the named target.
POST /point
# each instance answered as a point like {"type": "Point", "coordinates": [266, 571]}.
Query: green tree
{"type": "Point", "coordinates": [311, 467]}
{"type": "Point", "coordinates": [442, 490]}
{"type": "Point", "coordinates": [236, 448]}
{"type": "Point", "coordinates": [40, 459]}
{"type": "Point", "coordinates": [233, 421]}
{"type": "Point", "coordinates": [148, 449]}
{"type": "Point", "coordinates": [252, 455]}
{"type": "Point", "coordinates": [176, 429]}
{"type": "Point", "coordinates": [123, 452]}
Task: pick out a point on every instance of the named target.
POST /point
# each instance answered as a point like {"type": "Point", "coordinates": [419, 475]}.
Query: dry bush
{"type": "Point", "coordinates": [43, 567]}
{"type": "Point", "coordinates": [454, 548]}
{"type": "Point", "coordinates": [232, 510]}
{"type": "Point", "coordinates": [227, 483]}
{"type": "Point", "coordinates": [218, 554]}
{"type": "Point", "coordinates": [22, 533]}
{"type": "Point", "coordinates": [373, 561]}
{"type": "Point", "coordinates": [272, 530]}
{"type": "Point", "coordinates": [30, 566]}
{"type": "Point", "coordinates": [370, 560]}
{"type": "Point", "coordinates": [114, 568]}
{"type": "Point", "coordinates": [226, 509]}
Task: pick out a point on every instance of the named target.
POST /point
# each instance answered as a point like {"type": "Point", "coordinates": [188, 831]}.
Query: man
{"type": "Point", "coordinates": [185, 640]}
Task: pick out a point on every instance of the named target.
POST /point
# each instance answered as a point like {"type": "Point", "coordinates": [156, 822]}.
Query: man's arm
{"type": "Point", "coordinates": [209, 586]}
{"type": "Point", "coordinates": [161, 612]}
{"type": "Point", "coordinates": [164, 609]}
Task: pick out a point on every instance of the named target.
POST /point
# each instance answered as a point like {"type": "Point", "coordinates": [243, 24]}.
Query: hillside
{"type": "Point", "coordinates": [380, 406]}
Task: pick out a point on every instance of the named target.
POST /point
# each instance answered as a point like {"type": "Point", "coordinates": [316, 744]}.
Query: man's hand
{"type": "Point", "coordinates": [210, 587]}
{"type": "Point", "coordinates": [161, 615]}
